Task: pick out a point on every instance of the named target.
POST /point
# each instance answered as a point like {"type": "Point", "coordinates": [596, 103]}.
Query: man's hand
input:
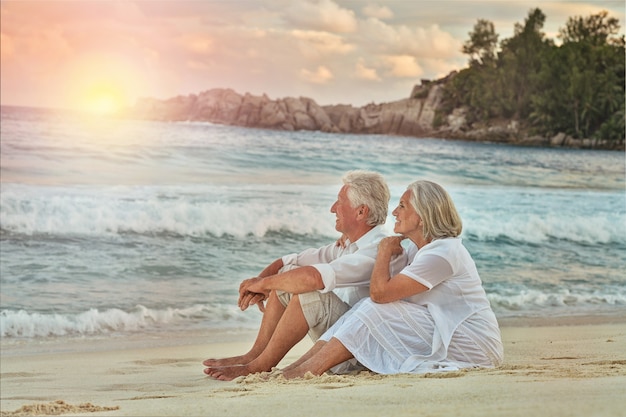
{"type": "Point", "coordinates": [251, 298]}
{"type": "Point", "coordinates": [251, 292]}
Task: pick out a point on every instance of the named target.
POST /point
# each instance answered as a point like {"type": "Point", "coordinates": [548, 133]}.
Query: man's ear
{"type": "Point", "coordinates": [363, 211]}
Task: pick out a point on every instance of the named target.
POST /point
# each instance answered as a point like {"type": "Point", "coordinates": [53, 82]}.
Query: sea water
{"type": "Point", "coordinates": [125, 228]}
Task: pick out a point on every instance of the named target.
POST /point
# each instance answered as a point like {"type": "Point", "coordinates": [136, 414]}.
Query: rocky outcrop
{"type": "Point", "coordinates": [415, 116]}
{"type": "Point", "coordinates": [225, 106]}
{"type": "Point", "coordinates": [407, 117]}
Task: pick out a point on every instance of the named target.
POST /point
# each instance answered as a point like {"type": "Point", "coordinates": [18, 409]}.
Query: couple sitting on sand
{"type": "Point", "coordinates": [369, 303]}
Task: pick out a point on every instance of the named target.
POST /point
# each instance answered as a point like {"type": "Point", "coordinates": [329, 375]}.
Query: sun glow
{"type": "Point", "coordinates": [103, 100]}
{"type": "Point", "coordinates": [102, 84]}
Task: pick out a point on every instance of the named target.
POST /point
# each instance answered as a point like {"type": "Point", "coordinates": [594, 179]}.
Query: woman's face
{"type": "Point", "coordinates": [407, 220]}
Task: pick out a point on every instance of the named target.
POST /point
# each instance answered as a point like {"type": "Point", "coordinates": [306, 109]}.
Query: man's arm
{"type": "Point", "coordinates": [304, 281]}
{"type": "Point", "coordinates": [272, 269]}
{"type": "Point", "coordinates": [295, 281]}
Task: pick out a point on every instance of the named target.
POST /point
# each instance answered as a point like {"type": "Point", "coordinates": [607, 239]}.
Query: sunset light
{"type": "Point", "coordinates": [349, 52]}
{"type": "Point", "coordinates": [103, 102]}
{"type": "Point", "coordinates": [101, 84]}
{"type": "Point", "coordinates": [100, 94]}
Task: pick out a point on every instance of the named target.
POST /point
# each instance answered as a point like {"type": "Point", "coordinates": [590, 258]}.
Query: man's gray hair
{"type": "Point", "coordinates": [369, 188]}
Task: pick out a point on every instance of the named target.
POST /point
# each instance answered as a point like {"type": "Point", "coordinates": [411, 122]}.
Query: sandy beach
{"type": "Point", "coordinates": [562, 368]}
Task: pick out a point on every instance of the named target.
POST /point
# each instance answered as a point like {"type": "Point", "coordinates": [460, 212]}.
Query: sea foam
{"type": "Point", "coordinates": [24, 324]}
{"type": "Point", "coordinates": [243, 211]}
{"type": "Point", "coordinates": [65, 211]}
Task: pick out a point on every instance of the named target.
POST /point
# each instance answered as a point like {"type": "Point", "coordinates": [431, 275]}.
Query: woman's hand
{"type": "Point", "coordinates": [391, 245]}
{"type": "Point", "coordinates": [341, 242]}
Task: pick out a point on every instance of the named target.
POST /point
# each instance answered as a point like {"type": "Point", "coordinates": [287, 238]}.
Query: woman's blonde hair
{"type": "Point", "coordinates": [436, 208]}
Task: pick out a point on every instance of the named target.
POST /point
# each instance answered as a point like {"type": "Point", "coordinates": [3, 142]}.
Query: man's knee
{"type": "Point", "coordinates": [321, 310]}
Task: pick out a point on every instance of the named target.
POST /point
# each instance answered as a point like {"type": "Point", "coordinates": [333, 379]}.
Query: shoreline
{"type": "Point", "coordinates": [565, 367]}
{"type": "Point", "coordinates": [107, 342]}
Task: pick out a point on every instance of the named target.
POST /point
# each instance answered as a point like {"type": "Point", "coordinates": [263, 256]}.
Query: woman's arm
{"type": "Point", "coordinates": [383, 287]}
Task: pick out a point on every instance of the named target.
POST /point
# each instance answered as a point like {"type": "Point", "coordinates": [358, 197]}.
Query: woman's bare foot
{"type": "Point", "coordinates": [295, 372]}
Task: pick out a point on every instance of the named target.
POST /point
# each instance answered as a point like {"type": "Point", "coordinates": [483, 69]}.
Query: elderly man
{"type": "Point", "coordinates": [309, 291]}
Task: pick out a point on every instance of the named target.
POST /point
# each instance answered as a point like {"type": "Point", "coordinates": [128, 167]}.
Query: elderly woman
{"type": "Point", "coordinates": [433, 316]}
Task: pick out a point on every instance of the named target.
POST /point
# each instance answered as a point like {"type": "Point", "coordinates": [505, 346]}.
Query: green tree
{"type": "Point", "coordinates": [467, 88]}
{"type": "Point", "coordinates": [582, 82]}
{"type": "Point", "coordinates": [482, 44]}
{"type": "Point", "coordinates": [520, 63]}
{"type": "Point", "coordinates": [577, 87]}
{"type": "Point", "coordinates": [598, 29]}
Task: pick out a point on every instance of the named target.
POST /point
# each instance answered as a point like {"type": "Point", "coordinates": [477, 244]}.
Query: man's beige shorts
{"type": "Point", "coordinates": [321, 310]}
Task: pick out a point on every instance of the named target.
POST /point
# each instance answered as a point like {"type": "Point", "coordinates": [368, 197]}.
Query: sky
{"type": "Point", "coordinates": [103, 55]}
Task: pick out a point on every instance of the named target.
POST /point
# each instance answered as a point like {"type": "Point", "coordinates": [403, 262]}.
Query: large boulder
{"type": "Point", "coordinates": [218, 106]}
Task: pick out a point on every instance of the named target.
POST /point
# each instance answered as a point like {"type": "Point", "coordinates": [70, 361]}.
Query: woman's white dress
{"type": "Point", "coordinates": [448, 327]}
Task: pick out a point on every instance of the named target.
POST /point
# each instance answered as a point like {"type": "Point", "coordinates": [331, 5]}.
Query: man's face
{"type": "Point", "coordinates": [346, 214]}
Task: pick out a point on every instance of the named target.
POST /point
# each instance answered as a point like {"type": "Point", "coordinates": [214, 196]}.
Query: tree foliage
{"type": "Point", "coordinates": [576, 87]}
{"type": "Point", "coordinates": [483, 43]}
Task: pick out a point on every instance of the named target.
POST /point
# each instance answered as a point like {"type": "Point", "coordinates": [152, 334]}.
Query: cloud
{"type": "Point", "coordinates": [377, 12]}
{"type": "Point", "coordinates": [438, 68]}
{"type": "Point", "coordinates": [198, 65]}
{"type": "Point", "coordinates": [364, 73]}
{"type": "Point", "coordinates": [321, 75]}
{"type": "Point", "coordinates": [403, 66]}
{"type": "Point", "coordinates": [354, 51]}
{"type": "Point", "coordinates": [429, 42]}
{"type": "Point", "coordinates": [322, 15]}
{"type": "Point", "coordinates": [316, 45]}
{"type": "Point", "coordinates": [199, 44]}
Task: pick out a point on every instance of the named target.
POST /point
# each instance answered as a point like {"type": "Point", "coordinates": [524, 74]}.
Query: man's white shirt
{"type": "Point", "coordinates": [347, 270]}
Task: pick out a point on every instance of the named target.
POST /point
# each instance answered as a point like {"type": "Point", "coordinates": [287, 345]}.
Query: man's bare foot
{"type": "Point", "coordinates": [228, 373]}
{"type": "Point", "coordinates": [233, 360]}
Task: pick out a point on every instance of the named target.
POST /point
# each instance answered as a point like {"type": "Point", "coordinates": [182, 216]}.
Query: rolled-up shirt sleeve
{"type": "Point", "coordinates": [338, 267]}
{"type": "Point", "coordinates": [323, 255]}
{"type": "Point", "coordinates": [351, 270]}
{"type": "Point", "coordinates": [319, 258]}
{"type": "Point", "coordinates": [290, 260]}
